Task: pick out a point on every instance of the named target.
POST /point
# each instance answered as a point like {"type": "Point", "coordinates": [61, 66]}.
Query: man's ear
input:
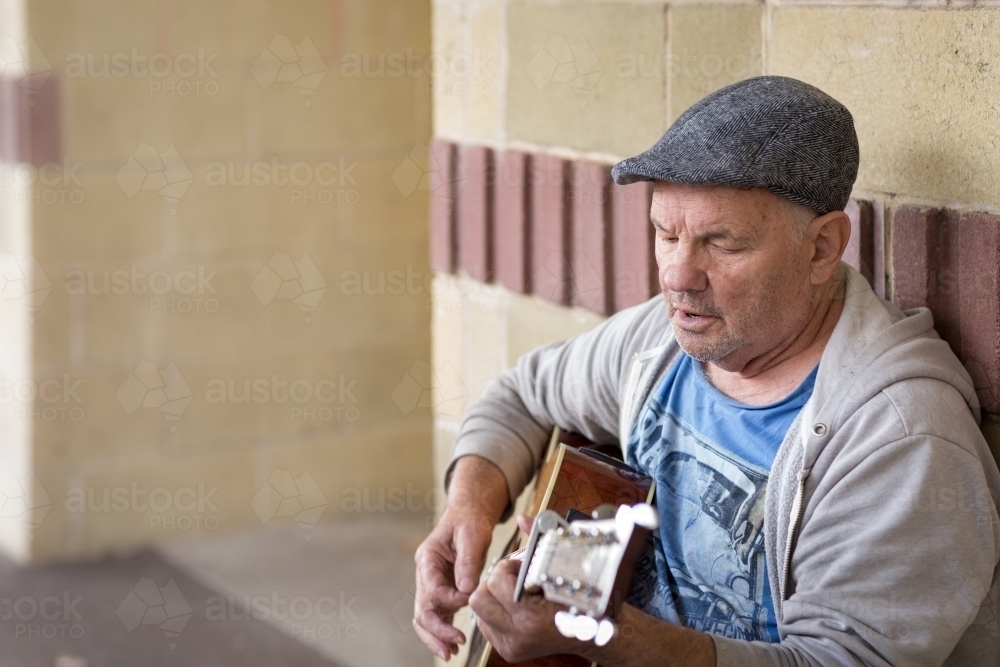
{"type": "Point", "coordinates": [830, 233]}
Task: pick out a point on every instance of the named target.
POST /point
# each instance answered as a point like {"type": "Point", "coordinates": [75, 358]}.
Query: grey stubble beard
{"type": "Point", "coordinates": [749, 332]}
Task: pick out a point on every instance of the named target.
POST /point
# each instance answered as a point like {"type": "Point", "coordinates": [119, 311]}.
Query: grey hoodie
{"type": "Point", "coordinates": [881, 529]}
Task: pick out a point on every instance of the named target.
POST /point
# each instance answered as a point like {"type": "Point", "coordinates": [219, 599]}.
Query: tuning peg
{"type": "Point", "coordinates": [585, 628]}
{"type": "Point", "coordinates": [605, 632]}
{"type": "Point", "coordinates": [605, 511]}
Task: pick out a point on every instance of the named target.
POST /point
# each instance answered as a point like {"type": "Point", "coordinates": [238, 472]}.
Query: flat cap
{"type": "Point", "coordinates": [772, 132]}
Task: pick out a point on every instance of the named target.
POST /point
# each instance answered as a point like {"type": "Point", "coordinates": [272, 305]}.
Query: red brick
{"type": "Point", "coordinates": [950, 262]}
{"type": "Point", "coordinates": [511, 221]}
{"type": "Point", "coordinates": [29, 120]}
{"type": "Point", "coordinates": [549, 225]}
{"type": "Point", "coordinates": [45, 125]}
{"type": "Point", "coordinates": [860, 252]}
{"type": "Point", "coordinates": [11, 113]}
{"type": "Point", "coordinates": [943, 280]}
{"type": "Point", "coordinates": [866, 248]}
{"type": "Point", "coordinates": [633, 264]}
{"type": "Point", "coordinates": [475, 212]}
{"type": "Point", "coordinates": [878, 268]}
{"type": "Point", "coordinates": [914, 255]}
{"type": "Point", "coordinates": [590, 259]}
{"type": "Point", "coordinates": [979, 302]}
{"type": "Point", "coordinates": [443, 170]}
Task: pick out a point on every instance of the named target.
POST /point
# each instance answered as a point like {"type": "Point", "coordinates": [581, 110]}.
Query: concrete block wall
{"type": "Point", "coordinates": [215, 278]}
{"type": "Point", "coordinates": [556, 91]}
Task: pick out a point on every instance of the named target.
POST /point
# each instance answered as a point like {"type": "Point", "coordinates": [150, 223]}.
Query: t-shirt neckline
{"type": "Point", "coordinates": [704, 383]}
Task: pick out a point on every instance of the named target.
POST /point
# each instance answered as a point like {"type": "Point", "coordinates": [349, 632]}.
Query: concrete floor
{"type": "Point", "coordinates": [124, 612]}
{"type": "Point", "coordinates": [346, 592]}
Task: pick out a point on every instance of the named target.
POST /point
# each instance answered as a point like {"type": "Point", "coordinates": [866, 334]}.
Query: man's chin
{"type": "Point", "coordinates": [701, 348]}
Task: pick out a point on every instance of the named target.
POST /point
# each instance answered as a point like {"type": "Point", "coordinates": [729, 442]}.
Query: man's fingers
{"type": "Point", "coordinates": [489, 611]}
{"type": "Point", "coordinates": [436, 602]}
{"type": "Point", "coordinates": [433, 584]}
{"type": "Point", "coordinates": [440, 649]}
{"type": "Point", "coordinates": [434, 608]}
{"type": "Point", "coordinates": [441, 596]}
{"type": "Point", "coordinates": [448, 566]}
{"type": "Point", "coordinates": [432, 622]}
{"type": "Point", "coordinates": [503, 579]}
{"type": "Point", "coordinates": [471, 542]}
{"type": "Point", "coordinates": [524, 522]}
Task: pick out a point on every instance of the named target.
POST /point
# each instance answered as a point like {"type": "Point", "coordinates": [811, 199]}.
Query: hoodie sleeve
{"type": "Point", "coordinates": [574, 384]}
{"type": "Point", "coordinates": [896, 559]}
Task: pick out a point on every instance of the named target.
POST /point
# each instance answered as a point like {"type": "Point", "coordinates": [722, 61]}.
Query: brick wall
{"type": "Point", "coordinates": [541, 225]}
{"type": "Point", "coordinates": [535, 99]}
{"type": "Point", "coordinates": [559, 230]}
{"type": "Point", "coordinates": [553, 92]}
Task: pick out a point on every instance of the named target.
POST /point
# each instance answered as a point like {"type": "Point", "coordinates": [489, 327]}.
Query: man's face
{"type": "Point", "coordinates": [734, 268]}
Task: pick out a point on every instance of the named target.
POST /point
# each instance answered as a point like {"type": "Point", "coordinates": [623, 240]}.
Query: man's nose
{"type": "Point", "coordinates": [681, 270]}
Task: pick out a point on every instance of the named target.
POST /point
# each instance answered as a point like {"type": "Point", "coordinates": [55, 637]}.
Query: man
{"type": "Point", "coordinates": [825, 494]}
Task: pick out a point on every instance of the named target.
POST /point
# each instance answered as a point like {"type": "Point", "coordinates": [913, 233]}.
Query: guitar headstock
{"type": "Point", "coordinates": [578, 564]}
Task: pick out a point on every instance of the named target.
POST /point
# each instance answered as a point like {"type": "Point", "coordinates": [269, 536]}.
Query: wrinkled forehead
{"type": "Point", "coordinates": [675, 203]}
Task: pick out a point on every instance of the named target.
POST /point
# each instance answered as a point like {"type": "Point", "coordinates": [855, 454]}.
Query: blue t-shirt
{"type": "Point", "coordinates": [710, 456]}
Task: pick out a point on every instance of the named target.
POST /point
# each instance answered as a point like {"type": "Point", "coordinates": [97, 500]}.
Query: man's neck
{"type": "Point", "coordinates": [775, 374]}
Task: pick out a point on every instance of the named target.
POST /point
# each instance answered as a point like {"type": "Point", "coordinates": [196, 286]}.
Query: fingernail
{"type": "Point", "coordinates": [467, 585]}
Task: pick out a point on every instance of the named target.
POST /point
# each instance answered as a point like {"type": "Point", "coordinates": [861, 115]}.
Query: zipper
{"type": "Point", "coordinates": [631, 384]}
{"type": "Point", "coordinates": [637, 377]}
{"type": "Point", "coordinates": [798, 509]}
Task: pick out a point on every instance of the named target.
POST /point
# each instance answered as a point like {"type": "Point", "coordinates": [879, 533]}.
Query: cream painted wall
{"type": "Point", "coordinates": [178, 279]}
{"type": "Point", "coordinates": [602, 79]}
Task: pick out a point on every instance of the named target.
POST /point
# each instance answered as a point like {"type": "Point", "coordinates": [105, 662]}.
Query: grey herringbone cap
{"type": "Point", "coordinates": [771, 132]}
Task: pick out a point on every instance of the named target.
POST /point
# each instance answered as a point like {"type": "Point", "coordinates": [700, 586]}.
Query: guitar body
{"type": "Point", "coordinates": [576, 475]}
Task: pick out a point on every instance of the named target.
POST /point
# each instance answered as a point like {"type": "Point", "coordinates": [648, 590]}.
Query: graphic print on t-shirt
{"type": "Point", "coordinates": [710, 456]}
{"type": "Point", "coordinates": [716, 549]}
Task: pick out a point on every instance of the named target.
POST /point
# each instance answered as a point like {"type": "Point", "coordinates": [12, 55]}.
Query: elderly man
{"type": "Point", "coordinates": [825, 494]}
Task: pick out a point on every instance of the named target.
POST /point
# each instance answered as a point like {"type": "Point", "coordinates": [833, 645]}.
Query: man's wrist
{"type": "Point", "coordinates": [642, 640]}
{"type": "Point", "coordinates": [477, 487]}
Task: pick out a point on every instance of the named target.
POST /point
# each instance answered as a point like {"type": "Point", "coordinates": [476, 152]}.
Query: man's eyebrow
{"type": "Point", "coordinates": [726, 234]}
{"type": "Point", "coordinates": [720, 234]}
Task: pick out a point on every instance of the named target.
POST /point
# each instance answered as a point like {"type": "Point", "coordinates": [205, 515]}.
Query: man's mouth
{"type": "Point", "coordinates": [692, 320]}
{"type": "Point", "coordinates": [691, 313]}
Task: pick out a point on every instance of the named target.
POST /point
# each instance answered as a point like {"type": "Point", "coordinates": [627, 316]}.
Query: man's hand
{"type": "Point", "coordinates": [450, 560]}
{"type": "Point", "coordinates": [526, 629]}
{"type": "Point", "coordinates": [518, 630]}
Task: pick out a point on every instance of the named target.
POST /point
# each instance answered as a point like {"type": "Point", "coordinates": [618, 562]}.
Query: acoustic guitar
{"type": "Point", "coordinates": [577, 479]}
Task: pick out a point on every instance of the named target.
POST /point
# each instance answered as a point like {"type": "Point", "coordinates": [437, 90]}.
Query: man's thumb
{"type": "Point", "coordinates": [470, 552]}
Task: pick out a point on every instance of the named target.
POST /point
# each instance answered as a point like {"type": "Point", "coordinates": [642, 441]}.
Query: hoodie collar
{"type": "Point", "coordinates": [874, 345]}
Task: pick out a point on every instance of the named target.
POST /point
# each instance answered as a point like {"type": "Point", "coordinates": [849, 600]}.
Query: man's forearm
{"type": "Point", "coordinates": [644, 641]}
{"type": "Point", "coordinates": [477, 485]}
